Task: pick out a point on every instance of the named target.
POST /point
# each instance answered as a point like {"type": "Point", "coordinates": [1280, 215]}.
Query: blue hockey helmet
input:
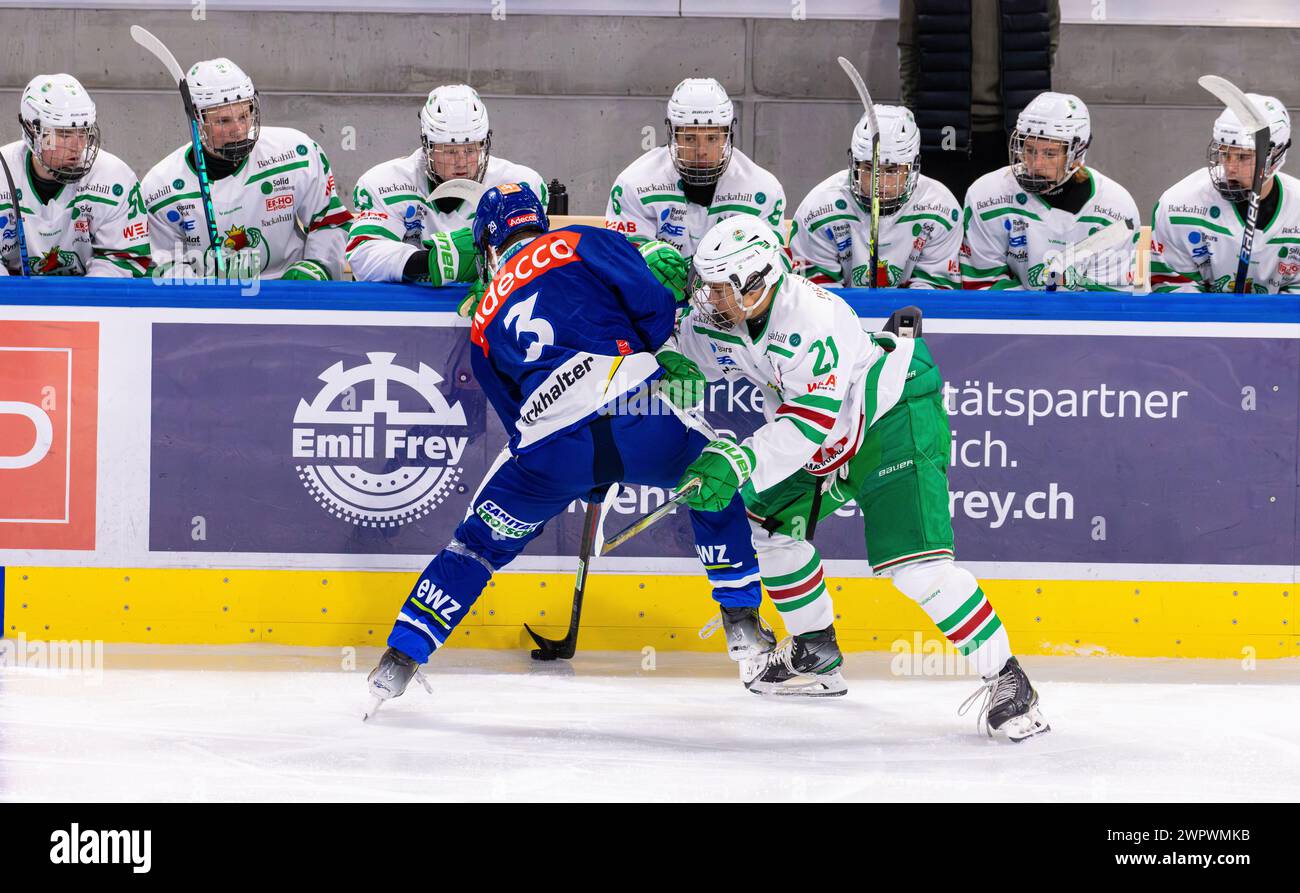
{"type": "Point", "coordinates": [505, 210]}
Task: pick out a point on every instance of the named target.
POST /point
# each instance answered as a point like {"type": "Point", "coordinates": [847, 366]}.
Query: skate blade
{"type": "Point", "coordinates": [751, 667]}
{"type": "Point", "coordinates": [1029, 724]}
{"type": "Point", "coordinates": [827, 685]}
{"type": "Point", "coordinates": [375, 704]}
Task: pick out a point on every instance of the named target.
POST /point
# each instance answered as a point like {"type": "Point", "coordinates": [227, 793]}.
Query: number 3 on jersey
{"type": "Point", "coordinates": [520, 316]}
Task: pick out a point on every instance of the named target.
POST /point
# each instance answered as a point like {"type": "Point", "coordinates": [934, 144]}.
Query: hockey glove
{"type": "Point", "coordinates": [307, 269]}
{"type": "Point", "coordinates": [469, 304]}
{"type": "Point", "coordinates": [451, 256]}
{"type": "Point", "coordinates": [668, 266]}
{"type": "Point", "coordinates": [682, 382]}
{"type": "Point", "coordinates": [721, 469]}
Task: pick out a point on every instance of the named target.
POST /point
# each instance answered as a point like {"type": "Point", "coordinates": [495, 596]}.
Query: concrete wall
{"type": "Point", "coordinates": [571, 95]}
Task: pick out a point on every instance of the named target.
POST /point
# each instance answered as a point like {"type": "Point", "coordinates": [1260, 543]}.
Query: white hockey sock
{"type": "Point", "coordinates": [955, 602]}
{"type": "Point", "coordinates": [792, 575]}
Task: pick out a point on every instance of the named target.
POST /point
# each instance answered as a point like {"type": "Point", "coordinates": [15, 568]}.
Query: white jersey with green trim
{"type": "Point", "coordinates": [395, 213]}
{"type": "Point", "coordinates": [279, 209]}
{"type": "Point", "coordinates": [1196, 239]}
{"type": "Point", "coordinates": [647, 200]}
{"type": "Point", "coordinates": [825, 381]}
{"type": "Point", "coordinates": [93, 227]}
{"type": "Point", "coordinates": [1010, 234]}
{"type": "Point", "coordinates": [919, 243]}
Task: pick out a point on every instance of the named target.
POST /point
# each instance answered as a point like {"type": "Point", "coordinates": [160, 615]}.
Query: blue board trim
{"type": "Point", "coordinates": [300, 295]}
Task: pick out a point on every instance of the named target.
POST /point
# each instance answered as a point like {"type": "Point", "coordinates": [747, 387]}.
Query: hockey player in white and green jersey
{"type": "Point", "coordinates": [81, 210]}
{"type": "Point", "coordinates": [1023, 221]}
{"type": "Point", "coordinates": [402, 234]}
{"type": "Point", "coordinates": [850, 415]}
{"type": "Point", "coordinates": [674, 193]}
{"type": "Point", "coordinates": [278, 214]}
{"type": "Point", "coordinates": [920, 220]}
{"type": "Point", "coordinates": [1198, 223]}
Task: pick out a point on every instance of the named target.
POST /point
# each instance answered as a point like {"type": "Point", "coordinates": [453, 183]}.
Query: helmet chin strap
{"type": "Point", "coordinates": [515, 248]}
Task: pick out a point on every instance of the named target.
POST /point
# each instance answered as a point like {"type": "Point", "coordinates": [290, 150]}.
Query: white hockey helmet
{"type": "Point", "coordinates": [59, 127]}
{"type": "Point", "coordinates": [900, 157]}
{"type": "Point", "coordinates": [1061, 117]}
{"type": "Point", "coordinates": [215, 85]}
{"type": "Point", "coordinates": [700, 104]}
{"type": "Point", "coordinates": [735, 265]}
{"type": "Point", "coordinates": [454, 115]}
{"type": "Point", "coordinates": [1230, 132]}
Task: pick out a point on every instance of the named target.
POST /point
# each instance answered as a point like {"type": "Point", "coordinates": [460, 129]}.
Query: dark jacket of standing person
{"type": "Point", "coordinates": [967, 69]}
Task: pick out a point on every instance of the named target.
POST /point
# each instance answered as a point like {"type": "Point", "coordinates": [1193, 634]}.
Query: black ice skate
{"type": "Point", "coordinates": [390, 678]}
{"type": "Point", "coordinates": [806, 665]}
{"type": "Point", "coordinates": [1010, 705]}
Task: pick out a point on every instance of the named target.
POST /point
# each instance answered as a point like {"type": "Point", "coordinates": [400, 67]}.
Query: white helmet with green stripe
{"type": "Point", "coordinates": [900, 158]}
{"type": "Point", "coordinates": [735, 265]}
{"type": "Point", "coordinates": [229, 108]}
{"type": "Point", "coordinates": [59, 128]}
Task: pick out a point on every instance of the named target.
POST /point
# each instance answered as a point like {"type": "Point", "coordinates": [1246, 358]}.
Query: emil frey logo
{"type": "Point", "coordinates": [384, 444]}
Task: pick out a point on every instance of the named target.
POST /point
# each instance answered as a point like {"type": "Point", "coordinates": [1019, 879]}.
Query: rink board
{"type": "Point", "coordinates": [224, 467]}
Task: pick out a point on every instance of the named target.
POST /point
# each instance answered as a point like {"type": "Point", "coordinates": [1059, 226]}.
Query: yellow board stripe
{"type": "Point", "coordinates": [341, 608]}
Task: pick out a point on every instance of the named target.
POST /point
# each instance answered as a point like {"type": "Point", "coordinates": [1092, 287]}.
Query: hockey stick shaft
{"type": "Point", "coordinates": [155, 46]}
{"type": "Point", "coordinates": [1252, 211]}
{"type": "Point", "coordinates": [692, 418]}
{"type": "Point", "coordinates": [869, 108]}
{"type": "Point", "coordinates": [24, 264]}
{"type": "Point", "coordinates": [550, 649]}
{"type": "Point", "coordinates": [648, 520]}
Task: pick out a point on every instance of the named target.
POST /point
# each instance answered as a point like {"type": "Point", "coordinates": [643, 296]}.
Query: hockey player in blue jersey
{"type": "Point", "coordinates": [573, 323]}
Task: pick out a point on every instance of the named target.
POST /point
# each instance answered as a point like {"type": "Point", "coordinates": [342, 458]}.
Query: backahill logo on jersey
{"type": "Point", "coordinates": [547, 252]}
{"type": "Point", "coordinates": [384, 442]}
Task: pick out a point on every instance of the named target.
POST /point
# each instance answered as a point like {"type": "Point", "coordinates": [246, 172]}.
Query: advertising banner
{"type": "Point", "coordinates": [1066, 448]}
{"type": "Point", "coordinates": [49, 397]}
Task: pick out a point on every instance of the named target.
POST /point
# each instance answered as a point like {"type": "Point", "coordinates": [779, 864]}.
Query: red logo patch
{"type": "Point", "coordinates": [136, 230]}
{"type": "Point", "coordinates": [49, 404]}
{"type": "Point", "coordinates": [621, 226]}
{"type": "Point", "coordinates": [545, 253]}
{"type": "Point", "coordinates": [518, 219]}
{"type": "Point", "coordinates": [279, 202]}
{"type": "Point", "coordinates": [623, 347]}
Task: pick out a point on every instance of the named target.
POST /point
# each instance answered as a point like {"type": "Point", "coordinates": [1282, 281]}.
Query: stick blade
{"type": "Point", "coordinates": [550, 649]}
{"type": "Point", "coordinates": [468, 190]}
{"type": "Point", "coordinates": [145, 38]}
{"type": "Point", "coordinates": [865, 95]}
{"type": "Point", "coordinates": [1104, 239]}
{"type": "Point", "coordinates": [1238, 102]}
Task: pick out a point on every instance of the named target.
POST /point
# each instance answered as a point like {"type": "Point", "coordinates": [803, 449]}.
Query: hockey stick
{"type": "Point", "coordinates": [692, 418]}
{"type": "Point", "coordinates": [861, 86]}
{"type": "Point", "coordinates": [647, 520]}
{"type": "Point", "coordinates": [1105, 239]}
{"type": "Point", "coordinates": [563, 649]}
{"type": "Point", "coordinates": [159, 49]}
{"type": "Point", "coordinates": [24, 264]}
{"type": "Point", "coordinates": [1248, 114]}
{"type": "Point", "coordinates": [466, 190]}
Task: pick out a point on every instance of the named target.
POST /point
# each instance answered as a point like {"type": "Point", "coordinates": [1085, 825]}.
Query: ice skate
{"type": "Point", "coordinates": [806, 665]}
{"type": "Point", "coordinates": [1010, 705]}
{"type": "Point", "coordinates": [749, 639]}
{"type": "Point", "coordinates": [389, 679]}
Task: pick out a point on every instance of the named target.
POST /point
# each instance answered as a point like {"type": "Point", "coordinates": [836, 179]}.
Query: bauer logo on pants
{"type": "Point", "coordinates": [369, 458]}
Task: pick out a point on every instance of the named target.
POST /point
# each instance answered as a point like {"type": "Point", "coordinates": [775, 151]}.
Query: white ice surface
{"type": "Point", "coordinates": [271, 724]}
